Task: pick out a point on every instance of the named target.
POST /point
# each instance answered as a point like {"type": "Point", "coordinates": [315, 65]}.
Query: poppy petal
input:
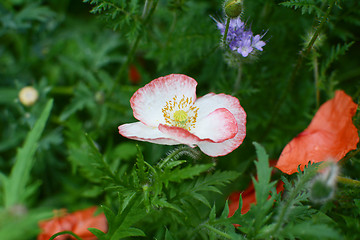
{"type": "Point", "coordinates": [147, 102]}
{"type": "Point", "coordinates": [179, 134]}
{"type": "Point", "coordinates": [211, 102]}
{"type": "Point", "coordinates": [141, 132]}
{"type": "Point", "coordinates": [222, 123]}
{"type": "Point", "coordinates": [330, 135]}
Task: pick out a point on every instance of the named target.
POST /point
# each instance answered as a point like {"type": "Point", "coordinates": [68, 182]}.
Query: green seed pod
{"type": "Point", "coordinates": [233, 8]}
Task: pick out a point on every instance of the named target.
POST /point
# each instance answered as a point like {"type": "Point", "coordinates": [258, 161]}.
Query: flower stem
{"type": "Point", "coordinates": [300, 59]}
{"type": "Point", "coordinates": [238, 79]}
{"type": "Point", "coordinates": [65, 232]}
{"type": "Point", "coordinates": [226, 30]}
{"type": "Point", "coordinates": [348, 181]}
{"type": "Point", "coordinates": [316, 78]}
{"type": "Point", "coordinates": [170, 156]}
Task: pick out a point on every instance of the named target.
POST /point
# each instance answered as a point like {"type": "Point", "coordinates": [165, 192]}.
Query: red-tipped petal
{"type": "Point", "coordinates": [208, 104]}
{"type": "Point", "coordinates": [179, 134]}
{"type": "Point", "coordinates": [220, 125]}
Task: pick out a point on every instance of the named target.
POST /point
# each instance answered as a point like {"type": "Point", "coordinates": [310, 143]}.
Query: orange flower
{"type": "Point", "coordinates": [77, 222]}
{"type": "Point", "coordinates": [330, 135]}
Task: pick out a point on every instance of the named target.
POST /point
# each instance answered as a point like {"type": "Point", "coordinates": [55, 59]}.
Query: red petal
{"type": "Point", "coordinates": [330, 135]}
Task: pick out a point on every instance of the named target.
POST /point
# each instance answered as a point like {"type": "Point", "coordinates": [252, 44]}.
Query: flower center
{"type": "Point", "coordinates": [180, 116]}
{"type": "Point", "coordinates": [180, 113]}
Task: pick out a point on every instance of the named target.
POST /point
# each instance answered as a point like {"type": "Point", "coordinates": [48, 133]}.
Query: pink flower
{"type": "Point", "coordinates": [169, 113]}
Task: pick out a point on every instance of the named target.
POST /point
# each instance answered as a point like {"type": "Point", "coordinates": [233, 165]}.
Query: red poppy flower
{"type": "Point", "coordinates": [330, 135]}
{"type": "Point", "coordinates": [77, 222]}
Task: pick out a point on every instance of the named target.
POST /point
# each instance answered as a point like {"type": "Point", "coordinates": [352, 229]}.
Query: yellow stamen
{"type": "Point", "coordinates": [180, 113]}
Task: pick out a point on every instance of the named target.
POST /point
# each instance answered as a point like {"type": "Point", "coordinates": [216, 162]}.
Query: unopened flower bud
{"type": "Point", "coordinates": [28, 96]}
{"type": "Point", "coordinates": [322, 187]}
{"type": "Point", "coordinates": [233, 8]}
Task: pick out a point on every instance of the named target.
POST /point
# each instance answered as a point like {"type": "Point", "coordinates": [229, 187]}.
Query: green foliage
{"type": "Point", "coordinates": [91, 56]}
{"type": "Point", "coordinates": [16, 187]}
{"type": "Point", "coordinates": [306, 6]}
{"type": "Point", "coordinates": [124, 15]}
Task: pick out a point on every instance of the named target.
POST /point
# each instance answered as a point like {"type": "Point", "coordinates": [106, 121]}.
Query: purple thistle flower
{"type": "Point", "coordinates": [239, 38]}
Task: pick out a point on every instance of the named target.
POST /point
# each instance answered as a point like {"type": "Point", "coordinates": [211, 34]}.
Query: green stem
{"type": "Point", "coordinates": [226, 30]}
{"type": "Point", "coordinates": [238, 79]}
{"type": "Point", "coordinates": [227, 236]}
{"type": "Point", "coordinates": [65, 232]}
{"type": "Point", "coordinates": [300, 59]}
{"type": "Point", "coordinates": [170, 156]}
{"type": "Point", "coordinates": [316, 78]}
{"type": "Point", "coordinates": [348, 181]}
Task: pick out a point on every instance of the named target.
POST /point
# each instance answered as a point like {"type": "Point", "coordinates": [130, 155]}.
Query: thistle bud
{"type": "Point", "coordinates": [233, 8]}
{"type": "Point", "coordinates": [28, 96]}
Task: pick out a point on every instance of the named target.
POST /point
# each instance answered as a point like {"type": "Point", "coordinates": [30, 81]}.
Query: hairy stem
{"type": "Point", "coordinates": [316, 78]}
{"type": "Point", "coordinates": [170, 156]}
{"type": "Point", "coordinates": [348, 181]}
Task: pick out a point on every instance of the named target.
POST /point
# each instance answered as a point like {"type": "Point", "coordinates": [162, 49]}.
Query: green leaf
{"type": "Point", "coordinates": [168, 235]}
{"type": "Point", "coordinates": [127, 232]}
{"type": "Point", "coordinates": [306, 6]}
{"type": "Point", "coordinates": [98, 233]}
{"type": "Point", "coordinates": [225, 212]}
{"type": "Point", "coordinates": [110, 216]}
{"type": "Point", "coordinates": [15, 188]}
{"type": "Point", "coordinates": [188, 172]}
{"type": "Point", "coordinates": [212, 215]}
{"type": "Point", "coordinates": [262, 185]}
